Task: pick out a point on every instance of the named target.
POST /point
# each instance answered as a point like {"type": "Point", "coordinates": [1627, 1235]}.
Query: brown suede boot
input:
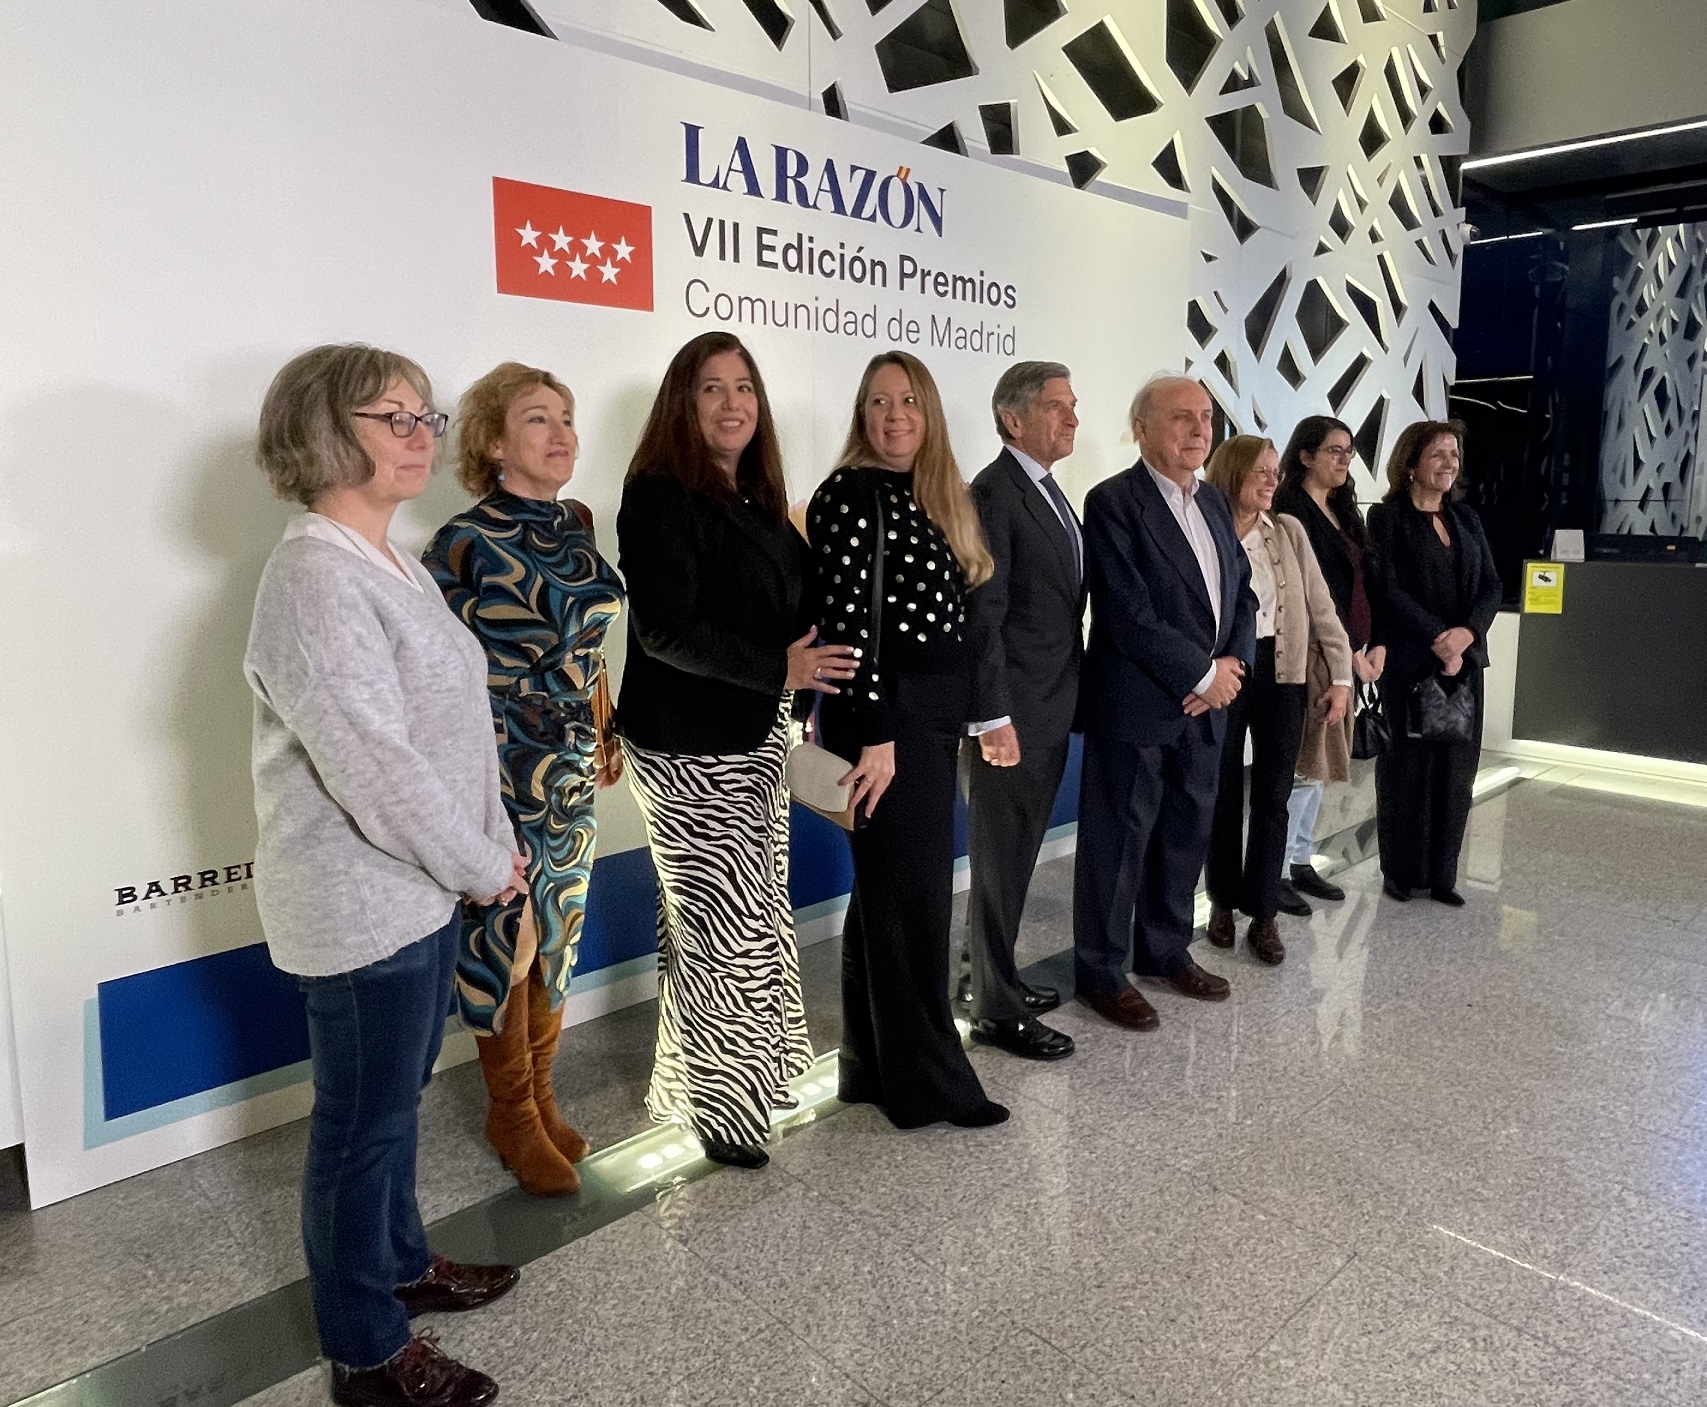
{"type": "Point", "coordinates": [512, 1124]}
{"type": "Point", "coordinates": [544, 1027]}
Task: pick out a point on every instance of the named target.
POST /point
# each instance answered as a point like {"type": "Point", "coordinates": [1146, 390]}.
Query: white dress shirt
{"type": "Point", "coordinates": [1189, 515]}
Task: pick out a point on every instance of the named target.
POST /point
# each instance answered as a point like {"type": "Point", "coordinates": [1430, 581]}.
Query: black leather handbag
{"type": "Point", "coordinates": [1370, 734]}
{"type": "Point", "coordinates": [1442, 710]}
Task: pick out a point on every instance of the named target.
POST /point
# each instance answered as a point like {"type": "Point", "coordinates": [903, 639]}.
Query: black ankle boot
{"type": "Point", "coordinates": [734, 1155]}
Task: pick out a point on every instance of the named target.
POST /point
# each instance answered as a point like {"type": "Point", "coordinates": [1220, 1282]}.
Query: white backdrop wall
{"type": "Point", "coordinates": [196, 192]}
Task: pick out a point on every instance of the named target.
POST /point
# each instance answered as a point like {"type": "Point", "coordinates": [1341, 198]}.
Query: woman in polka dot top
{"type": "Point", "coordinates": [899, 721]}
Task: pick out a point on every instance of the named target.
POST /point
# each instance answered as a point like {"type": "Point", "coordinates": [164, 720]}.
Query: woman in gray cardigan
{"type": "Point", "coordinates": [1295, 618]}
{"type": "Point", "coordinates": [376, 793]}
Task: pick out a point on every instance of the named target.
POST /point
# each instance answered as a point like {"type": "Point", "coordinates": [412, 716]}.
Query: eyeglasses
{"type": "Point", "coordinates": [1340, 453]}
{"type": "Point", "coordinates": [403, 422]}
{"type": "Point", "coordinates": [1266, 476]}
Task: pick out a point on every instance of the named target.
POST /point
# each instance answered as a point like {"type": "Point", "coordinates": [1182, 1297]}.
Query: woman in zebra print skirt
{"type": "Point", "coordinates": [719, 636]}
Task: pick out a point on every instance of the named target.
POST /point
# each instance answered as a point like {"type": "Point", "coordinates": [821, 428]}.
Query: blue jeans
{"type": "Point", "coordinates": [373, 1035]}
{"type": "Point", "coordinates": [1302, 809]}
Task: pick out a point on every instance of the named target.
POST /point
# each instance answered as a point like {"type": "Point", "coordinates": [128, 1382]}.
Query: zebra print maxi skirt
{"type": "Point", "coordinates": [731, 1025]}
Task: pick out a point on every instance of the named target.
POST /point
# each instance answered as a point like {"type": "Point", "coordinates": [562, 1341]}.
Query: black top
{"type": "Point", "coordinates": [716, 594]}
{"type": "Point", "coordinates": [1427, 588]}
{"type": "Point", "coordinates": [1336, 554]}
{"type": "Point", "coordinates": [924, 590]}
{"type": "Point", "coordinates": [1028, 619]}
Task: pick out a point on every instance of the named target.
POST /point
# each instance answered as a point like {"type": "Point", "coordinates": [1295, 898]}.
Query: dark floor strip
{"type": "Point", "coordinates": [247, 1349]}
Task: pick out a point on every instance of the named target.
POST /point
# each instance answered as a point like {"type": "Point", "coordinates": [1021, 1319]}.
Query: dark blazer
{"type": "Point", "coordinates": [1329, 547]}
{"type": "Point", "coordinates": [1027, 621]}
{"type": "Point", "coordinates": [1153, 635]}
{"type": "Point", "coordinates": [716, 594]}
{"type": "Point", "coordinates": [1423, 592]}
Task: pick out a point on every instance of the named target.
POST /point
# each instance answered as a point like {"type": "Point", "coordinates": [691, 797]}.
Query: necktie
{"type": "Point", "coordinates": [1065, 513]}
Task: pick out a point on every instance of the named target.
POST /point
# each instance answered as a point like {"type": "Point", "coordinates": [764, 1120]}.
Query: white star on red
{"type": "Point", "coordinates": [623, 249]}
{"type": "Point", "coordinates": [547, 265]}
{"type": "Point", "coordinates": [530, 236]}
{"type": "Point", "coordinates": [609, 271]}
{"type": "Point", "coordinates": [577, 268]}
{"type": "Point", "coordinates": [562, 241]}
{"type": "Point", "coordinates": [593, 242]}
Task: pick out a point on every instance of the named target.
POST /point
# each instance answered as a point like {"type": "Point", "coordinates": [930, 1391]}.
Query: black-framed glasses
{"type": "Point", "coordinates": [403, 422]}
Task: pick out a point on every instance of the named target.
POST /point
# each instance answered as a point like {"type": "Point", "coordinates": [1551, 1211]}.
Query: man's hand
{"type": "Point", "coordinates": [1224, 688]}
{"type": "Point", "coordinates": [1000, 746]}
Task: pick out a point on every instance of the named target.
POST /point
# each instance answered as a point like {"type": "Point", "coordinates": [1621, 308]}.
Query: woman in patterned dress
{"type": "Point", "coordinates": [719, 636]}
{"type": "Point", "coordinates": [521, 570]}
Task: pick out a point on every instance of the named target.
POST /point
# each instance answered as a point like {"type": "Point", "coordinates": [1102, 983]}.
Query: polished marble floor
{"type": "Point", "coordinates": [1437, 1157]}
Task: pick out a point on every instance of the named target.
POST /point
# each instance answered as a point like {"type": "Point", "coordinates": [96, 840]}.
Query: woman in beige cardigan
{"type": "Point", "coordinates": [1295, 620]}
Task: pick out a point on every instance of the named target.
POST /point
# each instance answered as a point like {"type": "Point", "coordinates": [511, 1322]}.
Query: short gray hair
{"type": "Point", "coordinates": [1020, 386]}
{"type": "Point", "coordinates": [306, 444]}
{"type": "Point", "coordinates": [1146, 396]}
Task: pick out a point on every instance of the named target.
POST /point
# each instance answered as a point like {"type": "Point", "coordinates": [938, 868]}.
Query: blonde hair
{"type": "Point", "coordinates": [937, 485]}
{"type": "Point", "coordinates": [1232, 463]}
{"type": "Point", "coordinates": [481, 417]}
{"type": "Point", "coordinates": [306, 445]}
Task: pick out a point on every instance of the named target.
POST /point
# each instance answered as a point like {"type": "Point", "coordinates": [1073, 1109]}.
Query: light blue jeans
{"type": "Point", "coordinates": [1302, 809]}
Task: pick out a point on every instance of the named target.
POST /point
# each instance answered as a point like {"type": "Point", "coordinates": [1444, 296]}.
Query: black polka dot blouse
{"type": "Point", "coordinates": [924, 591]}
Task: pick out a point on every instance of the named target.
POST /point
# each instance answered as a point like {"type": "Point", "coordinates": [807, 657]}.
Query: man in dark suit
{"type": "Point", "coordinates": [1027, 621]}
{"type": "Point", "coordinates": [1173, 629]}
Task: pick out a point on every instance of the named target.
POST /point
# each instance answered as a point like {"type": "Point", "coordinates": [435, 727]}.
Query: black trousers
{"type": "Point", "coordinates": [1144, 814]}
{"type": "Point", "coordinates": [1007, 814]}
{"type": "Point", "coordinates": [900, 1049]}
{"type": "Point", "coordinates": [1245, 874]}
{"type": "Point", "coordinates": [1422, 799]}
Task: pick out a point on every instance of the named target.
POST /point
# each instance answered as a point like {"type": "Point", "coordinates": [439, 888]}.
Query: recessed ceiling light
{"type": "Point", "coordinates": [1482, 163]}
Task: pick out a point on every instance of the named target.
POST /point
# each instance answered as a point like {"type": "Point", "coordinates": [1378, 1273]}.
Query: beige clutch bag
{"type": "Point", "coordinates": [815, 781]}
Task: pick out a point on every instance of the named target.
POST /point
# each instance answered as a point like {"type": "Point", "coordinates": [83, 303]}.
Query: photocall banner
{"type": "Point", "coordinates": [195, 192]}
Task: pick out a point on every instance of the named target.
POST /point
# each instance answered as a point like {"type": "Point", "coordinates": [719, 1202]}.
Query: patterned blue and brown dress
{"type": "Point", "coordinates": [524, 576]}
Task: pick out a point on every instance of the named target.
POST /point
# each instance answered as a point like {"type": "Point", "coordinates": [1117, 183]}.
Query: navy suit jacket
{"type": "Point", "coordinates": [1153, 634]}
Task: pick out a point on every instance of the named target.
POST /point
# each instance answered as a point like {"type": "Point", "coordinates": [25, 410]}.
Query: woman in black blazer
{"type": "Point", "coordinates": [719, 635]}
{"type": "Point", "coordinates": [1439, 592]}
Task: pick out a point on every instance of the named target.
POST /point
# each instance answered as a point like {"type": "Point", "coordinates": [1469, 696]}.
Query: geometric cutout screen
{"type": "Point", "coordinates": [1339, 282]}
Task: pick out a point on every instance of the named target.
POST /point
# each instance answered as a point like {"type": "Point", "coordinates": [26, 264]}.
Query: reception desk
{"type": "Point", "coordinates": [1623, 666]}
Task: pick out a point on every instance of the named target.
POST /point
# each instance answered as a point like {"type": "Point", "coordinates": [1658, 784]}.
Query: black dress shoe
{"type": "Point", "coordinates": [449, 1288]}
{"type": "Point", "coordinates": [1306, 881]}
{"type": "Point", "coordinates": [986, 1115]}
{"type": "Point", "coordinates": [1446, 894]}
{"type": "Point", "coordinates": [1030, 1040]}
{"type": "Point", "coordinates": [1396, 892]}
{"type": "Point", "coordinates": [1220, 932]}
{"type": "Point", "coordinates": [1290, 901]}
{"type": "Point", "coordinates": [734, 1155]}
{"type": "Point", "coordinates": [1039, 1000]}
{"type": "Point", "coordinates": [1192, 981]}
{"type": "Point", "coordinates": [417, 1375]}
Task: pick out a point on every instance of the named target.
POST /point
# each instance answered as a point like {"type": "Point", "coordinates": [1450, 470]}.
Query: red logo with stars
{"type": "Point", "coordinates": [571, 247]}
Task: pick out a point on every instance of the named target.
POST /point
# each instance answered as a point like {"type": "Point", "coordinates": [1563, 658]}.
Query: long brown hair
{"type": "Point", "coordinates": [937, 485]}
{"type": "Point", "coordinates": [1408, 452]}
{"type": "Point", "coordinates": [671, 444]}
{"type": "Point", "coordinates": [1312, 433]}
{"type": "Point", "coordinates": [1232, 463]}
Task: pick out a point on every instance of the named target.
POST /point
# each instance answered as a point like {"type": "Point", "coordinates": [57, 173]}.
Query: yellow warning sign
{"type": "Point", "coordinates": [1543, 588]}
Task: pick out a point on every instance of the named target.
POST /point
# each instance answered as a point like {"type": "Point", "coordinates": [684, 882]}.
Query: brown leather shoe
{"type": "Point", "coordinates": [1192, 981]}
{"type": "Point", "coordinates": [1126, 1007]}
{"type": "Point", "coordinates": [1221, 928]}
{"type": "Point", "coordinates": [419, 1373]}
{"type": "Point", "coordinates": [449, 1288]}
{"type": "Point", "coordinates": [545, 1027]}
{"type": "Point", "coordinates": [1264, 938]}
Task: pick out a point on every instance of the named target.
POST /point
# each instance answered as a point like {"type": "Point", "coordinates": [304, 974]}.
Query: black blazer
{"type": "Point", "coordinates": [716, 594]}
{"type": "Point", "coordinates": [1329, 547]}
{"type": "Point", "coordinates": [1423, 592]}
{"type": "Point", "coordinates": [1026, 621]}
{"type": "Point", "coordinates": [1153, 634]}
